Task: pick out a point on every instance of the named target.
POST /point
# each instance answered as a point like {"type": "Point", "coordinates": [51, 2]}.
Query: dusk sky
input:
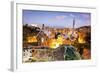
{"type": "Point", "coordinates": [56, 19]}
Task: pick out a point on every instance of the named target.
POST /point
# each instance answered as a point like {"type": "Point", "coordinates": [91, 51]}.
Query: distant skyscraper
{"type": "Point", "coordinates": [73, 23]}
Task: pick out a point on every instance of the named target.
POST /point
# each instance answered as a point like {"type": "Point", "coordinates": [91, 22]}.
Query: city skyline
{"type": "Point", "coordinates": [56, 19]}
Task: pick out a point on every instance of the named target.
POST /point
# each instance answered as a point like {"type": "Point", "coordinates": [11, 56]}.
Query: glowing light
{"type": "Point", "coordinates": [31, 39]}
{"type": "Point", "coordinates": [60, 40]}
{"type": "Point", "coordinates": [54, 43]}
{"type": "Point", "coordinates": [81, 40]}
{"type": "Point", "coordinates": [42, 40]}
